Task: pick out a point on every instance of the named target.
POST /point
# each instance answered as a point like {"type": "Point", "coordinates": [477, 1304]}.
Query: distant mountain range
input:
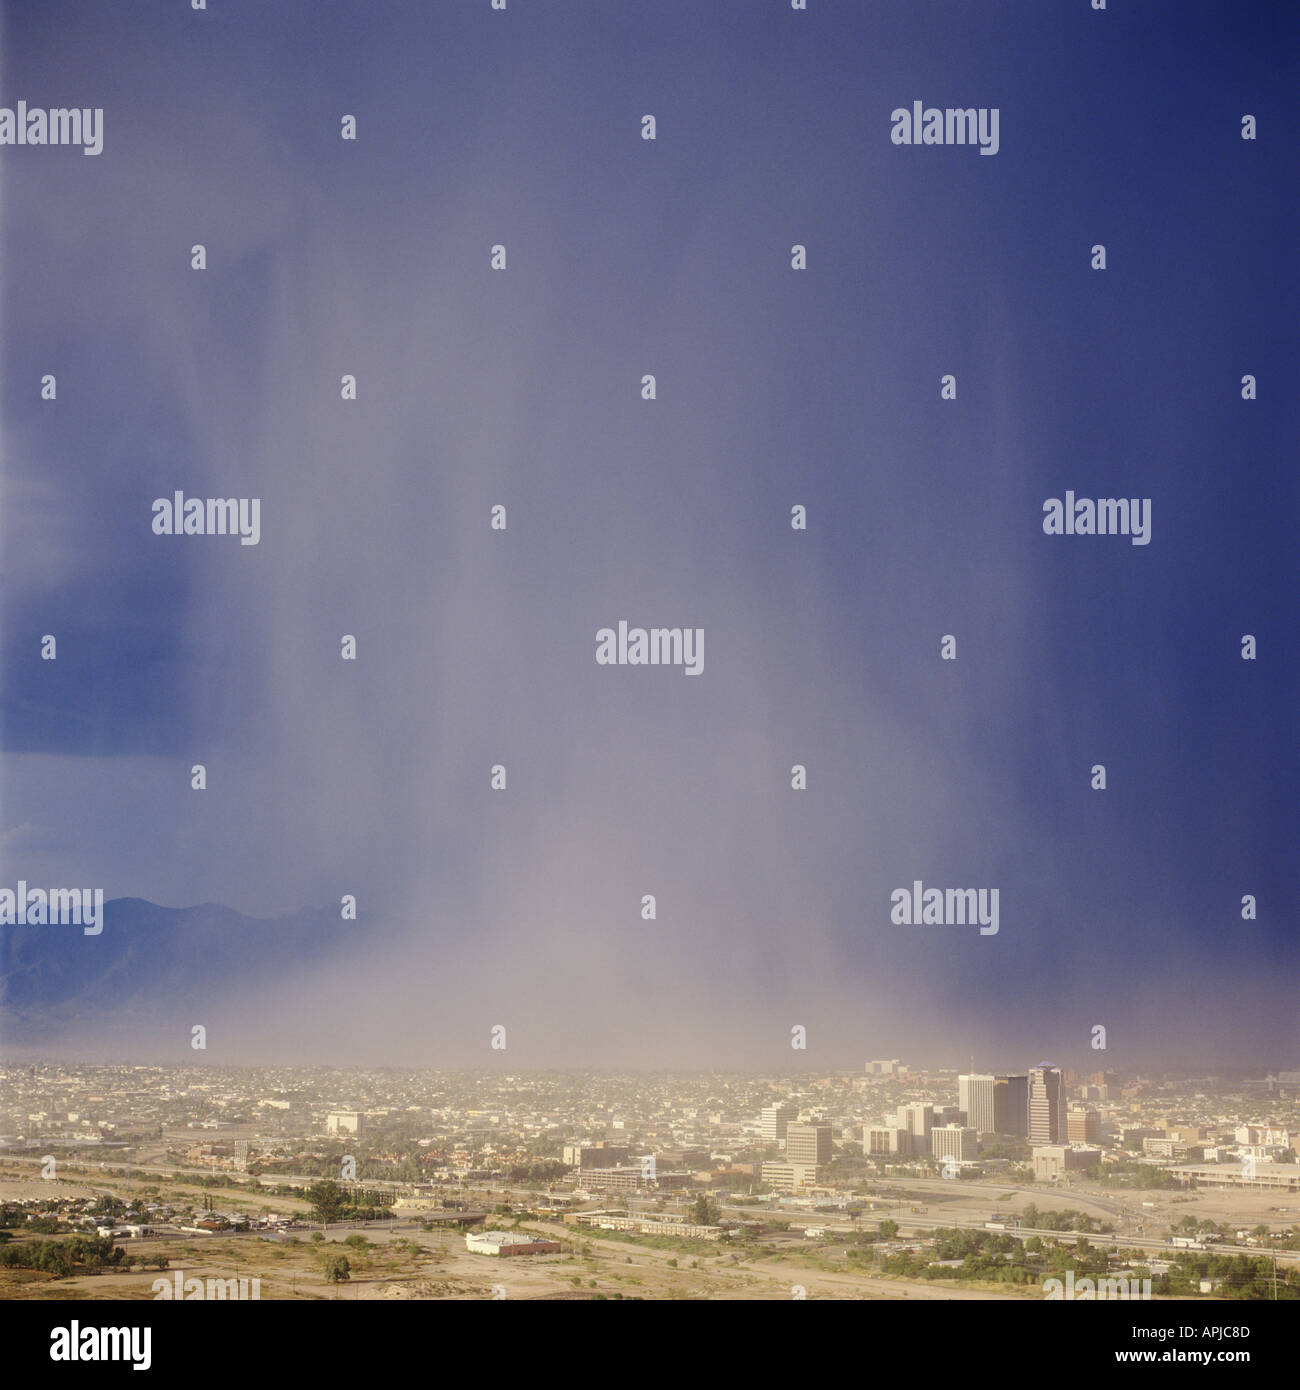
{"type": "Point", "coordinates": [153, 966]}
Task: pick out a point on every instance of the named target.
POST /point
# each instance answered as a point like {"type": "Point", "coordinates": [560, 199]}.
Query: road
{"type": "Point", "coordinates": [917, 1188]}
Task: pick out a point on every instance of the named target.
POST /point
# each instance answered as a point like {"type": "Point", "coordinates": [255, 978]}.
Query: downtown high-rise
{"type": "Point", "coordinates": [994, 1104]}
{"type": "Point", "coordinates": [1047, 1108]}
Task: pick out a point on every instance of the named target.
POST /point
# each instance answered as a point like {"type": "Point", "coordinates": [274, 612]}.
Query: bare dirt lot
{"type": "Point", "coordinates": [416, 1265]}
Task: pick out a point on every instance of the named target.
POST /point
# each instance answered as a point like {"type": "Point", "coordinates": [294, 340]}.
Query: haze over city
{"type": "Point", "coordinates": [648, 651]}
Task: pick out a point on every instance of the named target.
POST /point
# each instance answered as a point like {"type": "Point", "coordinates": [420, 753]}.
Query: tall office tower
{"type": "Point", "coordinates": [917, 1120]}
{"type": "Point", "coordinates": [1047, 1113]}
{"type": "Point", "coordinates": [976, 1095]}
{"type": "Point", "coordinates": [808, 1144]}
{"type": "Point", "coordinates": [1084, 1125]}
{"type": "Point", "coordinates": [994, 1104]}
{"type": "Point", "coordinates": [1017, 1121]}
{"type": "Point", "coordinates": [775, 1118]}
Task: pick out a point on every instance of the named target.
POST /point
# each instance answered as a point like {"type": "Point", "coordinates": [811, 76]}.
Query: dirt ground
{"type": "Point", "coordinates": [407, 1263]}
{"type": "Point", "coordinates": [442, 1268]}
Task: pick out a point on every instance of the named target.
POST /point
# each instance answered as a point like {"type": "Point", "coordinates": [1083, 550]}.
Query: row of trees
{"type": "Point", "coordinates": [330, 1202]}
{"type": "Point", "coordinates": [1233, 1276]}
{"type": "Point", "coordinates": [1068, 1220]}
{"type": "Point", "coordinates": [62, 1256]}
{"type": "Point", "coordinates": [1001, 1258]}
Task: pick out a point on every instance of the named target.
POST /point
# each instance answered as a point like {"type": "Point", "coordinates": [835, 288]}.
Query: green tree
{"type": "Point", "coordinates": [704, 1210]}
{"type": "Point", "coordinates": [337, 1269]}
{"type": "Point", "coordinates": [327, 1200]}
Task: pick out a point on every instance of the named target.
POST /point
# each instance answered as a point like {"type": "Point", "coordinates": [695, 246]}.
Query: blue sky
{"type": "Point", "coordinates": [775, 387]}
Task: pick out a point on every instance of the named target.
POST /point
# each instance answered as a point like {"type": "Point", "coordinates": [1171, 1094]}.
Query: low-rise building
{"type": "Point", "coordinates": [789, 1177]}
{"type": "Point", "coordinates": [649, 1223]}
{"type": "Point", "coordinates": [509, 1243]}
{"type": "Point", "coordinates": [1053, 1161]}
{"type": "Point", "coordinates": [1282, 1177]}
{"type": "Point", "coordinates": [958, 1142]}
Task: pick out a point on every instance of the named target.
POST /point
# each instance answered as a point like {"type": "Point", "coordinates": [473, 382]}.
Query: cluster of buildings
{"type": "Point", "coordinates": [597, 1136]}
{"type": "Point", "coordinates": [605, 1167]}
{"type": "Point", "coordinates": [808, 1149]}
{"type": "Point", "coordinates": [1056, 1121]}
{"type": "Point", "coordinates": [1030, 1107]}
{"type": "Point", "coordinates": [86, 1214]}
